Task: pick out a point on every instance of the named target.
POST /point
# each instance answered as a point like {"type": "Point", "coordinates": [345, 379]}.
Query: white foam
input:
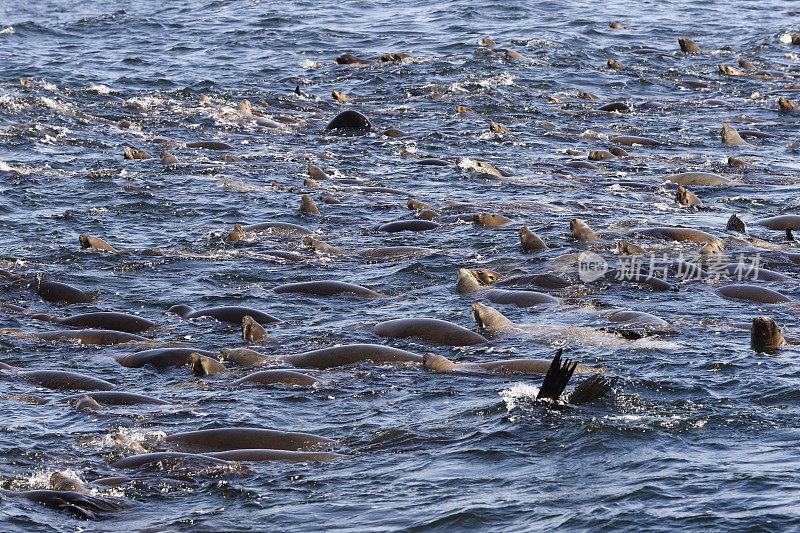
{"type": "Point", "coordinates": [100, 89]}
{"type": "Point", "coordinates": [8, 30]}
{"type": "Point", "coordinates": [785, 38]}
{"type": "Point", "coordinates": [519, 393]}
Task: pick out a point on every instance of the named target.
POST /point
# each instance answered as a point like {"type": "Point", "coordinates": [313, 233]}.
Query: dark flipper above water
{"type": "Point", "coordinates": [592, 388]}
{"type": "Point", "coordinates": [558, 375]}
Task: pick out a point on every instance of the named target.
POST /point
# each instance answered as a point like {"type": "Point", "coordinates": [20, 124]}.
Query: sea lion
{"type": "Point", "coordinates": [745, 64]}
{"type": "Point", "coordinates": [625, 247]}
{"type": "Point", "coordinates": [638, 319]}
{"type": "Point", "coordinates": [95, 243]}
{"type": "Point", "coordinates": [105, 320]}
{"type": "Point", "coordinates": [65, 481]}
{"type": "Point", "coordinates": [581, 231]}
{"type": "Point", "coordinates": [316, 172]}
{"type": "Point", "coordinates": [131, 153]}
{"type": "Point", "coordinates": [544, 281]}
{"type": "Point", "coordinates": [87, 404]}
{"type": "Point", "coordinates": [614, 64]}
{"type": "Point", "coordinates": [430, 330]}
{"type": "Point", "coordinates": [202, 365]}
{"type": "Point", "coordinates": [615, 25]}
{"type": "Point", "coordinates": [618, 107]}
{"type": "Point", "coordinates": [408, 225]}
{"type": "Point", "coordinates": [525, 298]}
{"type": "Point", "coordinates": [416, 204]}
{"type": "Point", "coordinates": [327, 288]}
{"type": "Point", "coordinates": [221, 439]}
{"type": "Point", "coordinates": [631, 140]}
{"type": "Point", "coordinates": [677, 234]}
{"type": "Point", "coordinates": [617, 151]}
{"type": "Point", "coordinates": [587, 95]}
{"type": "Point", "coordinates": [120, 398]}
{"type": "Point", "coordinates": [54, 291]}
{"type": "Point", "coordinates": [781, 222]}
{"type": "Point", "coordinates": [278, 228]}
{"type": "Point", "coordinates": [349, 120]}
{"type": "Point", "coordinates": [244, 356]}
{"type": "Point", "coordinates": [169, 460]}
{"type": "Point", "coordinates": [765, 335]}
{"type": "Point", "coordinates": [685, 197]}
{"type": "Point", "coordinates": [478, 166]}
{"type": "Point", "coordinates": [161, 358]}
{"type": "Point", "coordinates": [168, 158]}
{"type": "Point", "coordinates": [530, 241]}
{"type": "Point", "coordinates": [730, 71]}
{"type": "Point", "coordinates": [81, 505]}
{"type": "Point", "coordinates": [697, 178]}
{"type": "Point", "coordinates": [351, 354]}
{"type": "Point", "coordinates": [730, 136]}
{"type": "Point", "coordinates": [307, 205]}
{"type": "Point", "coordinates": [231, 314]}
{"type": "Point", "coordinates": [600, 155]}
{"type": "Point", "coordinates": [393, 133]}
{"type": "Point", "coordinates": [274, 455]}
{"type": "Point", "coordinates": [511, 54]}
{"type": "Point", "coordinates": [752, 293]}
{"type": "Point", "coordinates": [341, 97]}
{"type": "Point", "coordinates": [786, 104]}
{"type": "Point", "coordinates": [282, 377]}
{"type": "Point", "coordinates": [319, 246]}
{"type": "Point", "coordinates": [61, 380]}
{"type": "Point", "coordinates": [581, 164]}
{"type": "Point", "coordinates": [688, 46]}
{"type": "Point", "coordinates": [736, 224]}
{"type": "Point", "coordinates": [497, 128]}
{"type": "Point", "coordinates": [350, 59]}
{"type": "Point", "coordinates": [252, 330]}
{"type": "Point", "coordinates": [742, 271]}
{"type": "Point", "coordinates": [209, 145]}
{"type": "Point", "coordinates": [490, 220]}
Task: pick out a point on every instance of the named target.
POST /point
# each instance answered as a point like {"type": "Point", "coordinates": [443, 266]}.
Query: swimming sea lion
{"type": "Point", "coordinates": [765, 335]}
{"type": "Point", "coordinates": [84, 336]}
{"type": "Point", "coordinates": [130, 153]}
{"type": "Point", "coordinates": [752, 293]}
{"type": "Point", "coordinates": [106, 320]}
{"type": "Point", "coordinates": [430, 330]}
{"type": "Point", "coordinates": [781, 222]}
{"type": "Point", "coordinates": [685, 197]}
{"type": "Point", "coordinates": [786, 104]}
{"type": "Point", "coordinates": [614, 64]}
{"type": "Point", "coordinates": [252, 330]}
{"type": "Point", "coordinates": [64, 481]}
{"type": "Point", "coordinates": [351, 354]}
{"type": "Point", "coordinates": [278, 228]}
{"type": "Point", "coordinates": [120, 398]}
{"type": "Point", "coordinates": [490, 220]}
{"type": "Point", "coordinates": [630, 140]}
{"type": "Point", "coordinates": [53, 291]}
{"type": "Point", "coordinates": [81, 505]}
{"type": "Point", "coordinates": [61, 380]}
{"type": "Point", "coordinates": [736, 224]}
{"type": "Point", "coordinates": [231, 314]}
{"type": "Point", "coordinates": [677, 234]}
{"type": "Point", "coordinates": [697, 178]}
{"type": "Point", "coordinates": [221, 439]}
{"type": "Point", "coordinates": [307, 205]}
{"type": "Point", "coordinates": [95, 243]}
{"type": "Point", "coordinates": [243, 356]}
{"type": "Point", "coordinates": [497, 128]}
{"type": "Point", "coordinates": [349, 120]}
{"type": "Point", "coordinates": [440, 363]}
{"type": "Point", "coordinates": [202, 365]}
{"type": "Point", "coordinates": [530, 241]}
{"type": "Point", "coordinates": [408, 225]}
{"type": "Point", "coordinates": [161, 358]}
{"type": "Point", "coordinates": [209, 145]}
{"type": "Point", "coordinates": [581, 231]}
{"type": "Point", "coordinates": [169, 460]}
{"type": "Point", "coordinates": [327, 288]}
{"type": "Point", "coordinates": [316, 172]}
{"type": "Point", "coordinates": [625, 247]}
{"type": "Point", "coordinates": [730, 136]}
{"type": "Point", "coordinates": [600, 155]}
{"type": "Point", "coordinates": [87, 404]}
{"type": "Point", "coordinates": [688, 46]}
{"type": "Point", "coordinates": [320, 246]}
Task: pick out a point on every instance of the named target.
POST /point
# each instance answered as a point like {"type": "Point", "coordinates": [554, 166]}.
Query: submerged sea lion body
{"type": "Point", "coordinates": [697, 178]}
{"type": "Point", "coordinates": [781, 222]}
{"type": "Point", "coordinates": [431, 330]}
{"type": "Point", "coordinates": [161, 358]}
{"type": "Point", "coordinates": [216, 440]}
{"type": "Point", "coordinates": [274, 455]}
{"type": "Point", "coordinates": [351, 354]}
{"type": "Point", "coordinates": [53, 291]}
{"type": "Point", "coordinates": [62, 380]}
{"type": "Point", "coordinates": [327, 288]}
{"type": "Point", "coordinates": [752, 293]}
{"type": "Point", "coordinates": [439, 363]}
{"type": "Point", "coordinates": [87, 336]}
{"type": "Point", "coordinates": [678, 234]}
{"type": "Point", "coordinates": [95, 243]}
{"type": "Point", "coordinates": [231, 314]}
{"type": "Point", "coordinates": [122, 398]}
{"type": "Point", "coordinates": [108, 320]}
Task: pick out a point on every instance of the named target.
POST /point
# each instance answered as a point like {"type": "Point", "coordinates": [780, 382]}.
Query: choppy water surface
{"type": "Point", "coordinates": [700, 431]}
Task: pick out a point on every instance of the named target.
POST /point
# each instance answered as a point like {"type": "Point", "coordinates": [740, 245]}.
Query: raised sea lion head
{"type": "Point", "coordinates": [765, 334]}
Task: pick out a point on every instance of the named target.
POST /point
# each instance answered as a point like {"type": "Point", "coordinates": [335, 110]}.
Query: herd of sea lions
{"type": "Point", "coordinates": [135, 342]}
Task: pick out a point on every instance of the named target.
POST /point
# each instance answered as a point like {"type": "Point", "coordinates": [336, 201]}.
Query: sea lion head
{"type": "Point", "coordinates": [765, 334]}
{"type": "Point", "coordinates": [181, 310]}
{"type": "Point", "coordinates": [438, 363]}
{"type": "Point", "coordinates": [205, 366]}
{"type": "Point", "coordinates": [485, 276]}
{"type": "Point", "coordinates": [466, 281]}
{"type": "Point", "coordinates": [252, 330]}
{"type": "Point", "coordinates": [489, 318]}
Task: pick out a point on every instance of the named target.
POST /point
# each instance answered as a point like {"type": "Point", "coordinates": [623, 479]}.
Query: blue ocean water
{"type": "Point", "coordinates": [699, 431]}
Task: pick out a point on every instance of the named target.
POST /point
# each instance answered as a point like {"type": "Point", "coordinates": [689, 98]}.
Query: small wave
{"type": "Point", "coordinates": [100, 89]}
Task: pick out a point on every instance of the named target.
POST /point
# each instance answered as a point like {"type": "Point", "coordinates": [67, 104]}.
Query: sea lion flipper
{"type": "Point", "coordinates": [592, 388]}
{"type": "Point", "coordinates": [557, 377]}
